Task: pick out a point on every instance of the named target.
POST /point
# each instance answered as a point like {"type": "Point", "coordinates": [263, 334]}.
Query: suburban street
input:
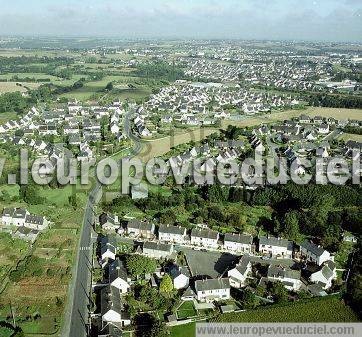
{"type": "Point", "coordinates": [77, 311]}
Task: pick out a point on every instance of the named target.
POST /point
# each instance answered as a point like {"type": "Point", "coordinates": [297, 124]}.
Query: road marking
{"type": "Point", "coordinates": [85, 248]}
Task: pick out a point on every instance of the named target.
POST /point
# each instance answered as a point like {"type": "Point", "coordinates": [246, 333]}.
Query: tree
{"type": "Point", "coordinates": [147, 325]}
{"type": "Point", "coordinates": [140, 265]}
{"type": "Point", "coordinates": [279, 292]}
{"type": "Point", "coordinates": [30, 194]}
{"type": "Point", "coordinates": [249, 300]}
{"type": "Point", "coordinates": [109, 86]}
{"type": "Point", "coordinates": [73, 200]}
{"type": "Point", "coordinates": [319, 212]}
{"type": "Point", "coordinates": [166, 285]}
{"type": "Point", "coordinates": [158, 329]}
{"type": "Point", "coordinates": [168, 217]}
{"type": "Point", "coordinates": [291, 226]}
{"type": "Point", "coordinates": [235, 219]}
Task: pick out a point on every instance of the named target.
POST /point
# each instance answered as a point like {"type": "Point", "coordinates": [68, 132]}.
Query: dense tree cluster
{"type": "Point", "coordinates": [335, 101]}
{"type": "Point", "coordinates": [159, 70]}
{"type": "Point", "coordinates": [353, 129]}
{"type": "Point", "coordinates": [354, 285]}
{"type": "Point", "coordinates": [140, 265]}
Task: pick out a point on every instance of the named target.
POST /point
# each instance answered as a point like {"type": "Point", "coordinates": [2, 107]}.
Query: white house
{"type": "Point", "coordinates": [141, 229]}
{"type": "Point", "coordinates": [7, 216]}
{"type": "Point", "coordinates": [323, 128]}
{"type": "Point", "coordinates": [325, 275]}
{"type": "Point", "coordinates": [276, 247]}
{"type": "Point", "coordinates": [112, 308]}
{"type": "Point", "coordinates": [288, 277]}
{"type": "Point", "coordinates": [157, 250]}
{"type": "Point", "coordinates": [19, 216]}
{"type": "Point", "coordinates": [313, 253]}
{"type": "Point", "coordinates": [212, 289]}
{"type": "Point", "coordinates": [118, 276]}
{"type": "Point", "coordinates": [108, 252]}
{"type": "Point", "coordinates": [238, 243]}
{"type": "Point", "coordinates": [109, 222]}
{"type": "Point", "coordinates": [205, 238]}
{"type": "Point", "coordinates": [36, 222]}
{"type": "Point", "coordinates": [239, 273]}
{"type": "Point", "coordinates": [169, 233]}
{"type": "Point", "coordinates": [114, 128]}
{"type": "Point", "coordinates": [180, 277]}
{"type": "Point", "coordinates": [322, 152]}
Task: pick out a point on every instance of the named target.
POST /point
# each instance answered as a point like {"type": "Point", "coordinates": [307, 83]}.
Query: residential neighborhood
{"type": "Point", "coordinates": [169, 165]}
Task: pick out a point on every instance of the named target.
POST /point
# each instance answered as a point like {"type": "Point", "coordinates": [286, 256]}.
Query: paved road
{"type": "Point", "coordinates": [77, 311]}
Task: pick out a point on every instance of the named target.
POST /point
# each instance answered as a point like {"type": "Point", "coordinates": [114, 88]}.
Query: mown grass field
{"type": "Point", "coordinates": [185, 330]}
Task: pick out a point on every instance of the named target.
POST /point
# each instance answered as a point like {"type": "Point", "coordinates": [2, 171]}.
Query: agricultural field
{"type": "Point", "coordinates": [7, 116]}
{"type": "Point", "coordinates": [17, 86]}
{"type": "Point", "coordinates": [350, 136]}
{"type": "Point", "coordinates": [11, 251]}
{"type": "Point", "coordinates": [327, 309]}
{"type": "Point", "coordinates": [310, 111]}
{"type": "Point", "coordinates": [158, 147]}
{"type": "Point", "coordinates": [37, 291]}
{"type": "Point", "coordinates": [163, 145]}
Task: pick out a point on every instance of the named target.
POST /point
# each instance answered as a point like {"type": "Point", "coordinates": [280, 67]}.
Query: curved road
{"type": "Point", "coordinates": [78, 305]}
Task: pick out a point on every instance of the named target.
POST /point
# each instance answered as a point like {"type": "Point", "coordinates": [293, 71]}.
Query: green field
{"type": "Point", "coordinates": [6, 116]}
{"type": "Point", "coordinates": [327, 309]}
{"type": "Point", "coordinates": [350, 136]}
{"type": "Point", "coordinates": [39, 295]}
{"type": "Point", "coordinates": [186, 310]}
{"type": "Point", "coordinates": [186, 330]}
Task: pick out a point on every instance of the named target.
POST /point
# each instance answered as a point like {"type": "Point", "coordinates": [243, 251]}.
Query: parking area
{"type": "Point", "coordinates": [209, 264]}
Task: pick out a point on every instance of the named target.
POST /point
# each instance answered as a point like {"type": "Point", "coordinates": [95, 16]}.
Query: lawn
{"type": "Point", "coordinates": [327, 309]}
{"type": "Point", "coordinates": [186, 310]}
{"type": "Point", "coordinates": [185, 330]}
{"type": "Point", "coordinates": [6, 332]}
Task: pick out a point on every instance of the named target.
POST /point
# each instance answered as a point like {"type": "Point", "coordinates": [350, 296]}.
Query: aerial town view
{"type": "Point", "coordinates": [180, 169]}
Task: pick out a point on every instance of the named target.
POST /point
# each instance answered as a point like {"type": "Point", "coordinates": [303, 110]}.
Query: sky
{"type": "Point", "coordinates": [314, 20]}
